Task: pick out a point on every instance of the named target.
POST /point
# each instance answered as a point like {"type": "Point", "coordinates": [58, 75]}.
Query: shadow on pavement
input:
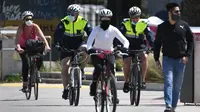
{"type": "Point", "coordinates": [8, 100]}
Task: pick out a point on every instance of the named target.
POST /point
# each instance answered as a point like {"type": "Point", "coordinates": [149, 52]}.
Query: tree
{"type": "Point", "coordinates": [191, 12]}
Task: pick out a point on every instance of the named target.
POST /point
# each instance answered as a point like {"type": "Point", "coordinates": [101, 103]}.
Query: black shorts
{"type": "Point", "coordinates": [65, 54]}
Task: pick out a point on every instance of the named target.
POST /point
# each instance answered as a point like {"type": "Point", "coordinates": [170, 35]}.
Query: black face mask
{"type": "Point", "coordinates": [104, 25]}
{"type": "Point", "coordinates": [176, 17]}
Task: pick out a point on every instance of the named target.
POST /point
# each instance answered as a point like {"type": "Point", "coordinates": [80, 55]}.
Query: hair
{"type": "Point", "coordinates": [171, 5]}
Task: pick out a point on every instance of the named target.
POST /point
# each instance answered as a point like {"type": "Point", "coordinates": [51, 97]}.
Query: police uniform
{"type": "Point", "coordinates": [70, 34]}
{"type": "Point", "coordinates": [137, 34]}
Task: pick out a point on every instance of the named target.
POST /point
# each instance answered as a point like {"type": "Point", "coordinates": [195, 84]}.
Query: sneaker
{"type": "Point", "coordinates": [65, 94]}
{"type": "Point", "coordinates": [93, 88]}
{"type": "Point", "coordinates": [168, 109]}
{"type": "Point", "coordinates": [143, 85]}
{"type": "Point", "coordinates": [117, 100]}
{"type": "Point", "coordinates": [126, 87]}
{"type": "Point", "coordinates": [24, 87]}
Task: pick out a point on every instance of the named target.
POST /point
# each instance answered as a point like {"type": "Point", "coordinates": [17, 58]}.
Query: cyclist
{"type": "Point", "coordinates": [28, 30]}
{"type": "Point", "coordinates": [69, 34]}
{"type": "Point", "coordinates": [136, 31]}
{"type": "Point", "coordinates": [101, 38]}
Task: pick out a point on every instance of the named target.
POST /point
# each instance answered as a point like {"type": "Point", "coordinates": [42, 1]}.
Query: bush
{"type": "Point", "coordinates": [153, 73]}
{"type": "Point", "coordinates": [15, 77]}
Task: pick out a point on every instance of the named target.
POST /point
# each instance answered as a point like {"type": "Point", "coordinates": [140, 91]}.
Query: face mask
{"type": "Point", "coordinates": [104, 25]}
{"type": "Point", "coordinates": [133, 23]}
{"type": "Point", "coordinates": [176, 17]}
{"type": "Point", "coordinates": [71, 18]}
{"type": "Point", "coordinates": [29, 23]}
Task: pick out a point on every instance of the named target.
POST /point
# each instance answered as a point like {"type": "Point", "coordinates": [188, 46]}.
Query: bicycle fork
{"type": "Point", "coordinates": [72, 76]}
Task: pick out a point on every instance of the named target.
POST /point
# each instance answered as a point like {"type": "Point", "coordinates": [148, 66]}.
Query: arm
{"type": "Point", "coordinates": [41, 35]}
{"type": "Point", "coordinates": [149, 36]}
{"type": "Point", "coordinates": [91, 39]}
{"type": "Point", "coordinates": [190, 41]}
{"type": "Point", "coordinates": [18, 36]}
{"type": "Point", "coordinates": [88, 29]}
{"type": "Point", "coordinates": [157, 44]}
{"type": "Point", "coordinates": [121, 38]}
{"type": "Point", "coordinates": [58, 33]}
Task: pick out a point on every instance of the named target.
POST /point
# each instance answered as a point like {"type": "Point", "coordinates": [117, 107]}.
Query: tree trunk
{"type": "Point", "coordinates": [191, 12]}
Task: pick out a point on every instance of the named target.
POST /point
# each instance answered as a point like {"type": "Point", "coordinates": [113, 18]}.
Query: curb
{"type": "Point", "coordinates": [85, 85]}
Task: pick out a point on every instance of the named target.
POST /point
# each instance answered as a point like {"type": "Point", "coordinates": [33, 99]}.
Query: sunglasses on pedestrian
{"type": "Point", "coordinates": [176, 11]}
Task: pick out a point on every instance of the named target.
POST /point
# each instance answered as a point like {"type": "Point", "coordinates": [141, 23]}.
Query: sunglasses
{"type": "Point", "coordinates": [27, 19]}
{"type": "Point", "coordinates": [177, 11]}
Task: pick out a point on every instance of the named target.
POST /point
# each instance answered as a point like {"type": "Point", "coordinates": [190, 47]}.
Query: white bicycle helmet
{"type": "Point", "coordinates": [26, 13]}
{"type": "Point", "coordinates": [105, 13]}
{"type": "Point", "coordinates": [73, 8]}
{"type": "Point", "coordinates": [134, 11]}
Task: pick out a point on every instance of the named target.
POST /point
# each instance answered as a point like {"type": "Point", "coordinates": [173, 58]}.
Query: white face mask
{"type": "Point", "coordinates": [71, 18]}
{"type": "Point", "coordinates": [133, 23]}
{"type": "Point", "coordinates": [29, 23]}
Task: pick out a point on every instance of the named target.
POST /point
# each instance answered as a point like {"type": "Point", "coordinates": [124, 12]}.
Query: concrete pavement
{"type": "Point", "coordinates": [12, 100]}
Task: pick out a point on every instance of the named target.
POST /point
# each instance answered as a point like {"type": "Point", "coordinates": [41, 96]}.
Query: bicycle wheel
{"type": "Point", "coordinates": [132, 83]}
{"type": "Point", "coordinates": [71, 96]}
{"type": "Point", "coordinates": [36, 80]}
{"type": "Point", "coordinates": [28, 92]}
{"type": "Point", "coordinates": [99, 97]}
{"type": "Point", "coordinates": [111, 94]}
{"type": "Point", "coordinates": [138, 84]}
{"type": "Point", "coordinates": [77, 73]}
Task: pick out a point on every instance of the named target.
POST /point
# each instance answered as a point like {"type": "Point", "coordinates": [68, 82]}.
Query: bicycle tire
{"type": "Point", "coordinates": [138, 79]}
{"type": "Point", "coordinates": [36, 80]}
{"type": "Point", "coordinates": [76, 86]}
{"type": "Point", "coordinates": [28, 93]}
{"type": "Point", "coordinates": [71, 96]}
{"type": "Point", "coordinates": [99, 97]}
{"type": "Point", "coordinates": [113, 91]}
{"type": "Point", "coordinates": [132, 86]}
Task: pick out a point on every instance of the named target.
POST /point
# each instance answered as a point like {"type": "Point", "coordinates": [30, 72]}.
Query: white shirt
{"type": "Point", "coordinates": [104, 39]}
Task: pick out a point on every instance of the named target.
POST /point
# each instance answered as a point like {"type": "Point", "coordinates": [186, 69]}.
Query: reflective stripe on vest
{"type": "Point", "coordinates": [140, 27]}
{"type": "Point", "coordinates": [74, 28]}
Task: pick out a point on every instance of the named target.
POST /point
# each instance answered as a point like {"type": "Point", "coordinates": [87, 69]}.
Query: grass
{"type": "Point", "coordinates": [15, 77]}
{"type": "Point", "coordinates": [153, 73]}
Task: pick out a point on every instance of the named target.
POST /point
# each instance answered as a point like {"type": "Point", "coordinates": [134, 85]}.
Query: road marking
{"type": "Point", "coordinates": [40, 85]}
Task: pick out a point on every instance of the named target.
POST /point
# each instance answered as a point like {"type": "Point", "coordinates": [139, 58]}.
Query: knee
{"type": "Point", "coordinates": [127, 62]}
{"type": "Point", "coordinates": [145, 57]}
{"type": "Point", "coordinates": [65, 64]}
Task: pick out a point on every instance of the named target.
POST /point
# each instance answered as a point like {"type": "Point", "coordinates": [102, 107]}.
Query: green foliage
{"type": "Point", "coordinates": [15, 77]}
{"type": "Point", "coordinates": [153, 73]}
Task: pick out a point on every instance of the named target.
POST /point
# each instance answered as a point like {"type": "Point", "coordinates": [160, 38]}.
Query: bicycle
{"type": "Point", "coordinates": [105, 82]}
{"type": "Point", "coordinates": [135, 76]}
{"type": "Point", "coordinates": [33, 76]}
{"type": "Point", "coordinates": [75, 81]}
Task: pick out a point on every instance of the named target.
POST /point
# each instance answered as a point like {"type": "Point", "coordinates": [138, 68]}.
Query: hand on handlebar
{"type": "Point", "coordinates": [92, 50]}
{"type": "Point", "coordinates": [19, 49]}
{"type": "Point", "coordinates": [58, 47]}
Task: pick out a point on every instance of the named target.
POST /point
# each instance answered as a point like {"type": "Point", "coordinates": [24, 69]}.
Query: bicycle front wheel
{"type": "Point", "coordinates": [35, 81]}
{"type": "Point", "coordinates": [77, 80]}
{"type": "Point", "coordinates": [111, 94]}
{"type": "Point", "coordinates": [28, 92]}
{"type": "Point", "coordinates": [99, 97]}
{"type": "Point", "coordinates": [132, 83]}
{"type": "Point", "coordinates": [138, 79]}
